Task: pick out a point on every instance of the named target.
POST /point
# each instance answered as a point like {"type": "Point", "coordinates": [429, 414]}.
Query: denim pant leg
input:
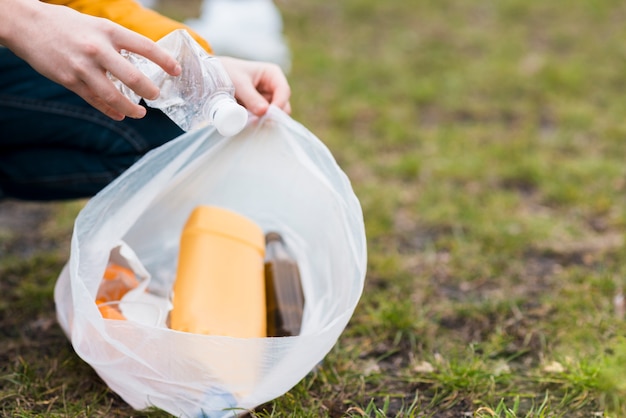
{"type": "Point", "coordinates": [54, 145]}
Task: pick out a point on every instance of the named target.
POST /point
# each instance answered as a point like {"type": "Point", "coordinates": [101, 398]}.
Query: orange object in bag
{"type": "Point", "coordinates": [116, 282]}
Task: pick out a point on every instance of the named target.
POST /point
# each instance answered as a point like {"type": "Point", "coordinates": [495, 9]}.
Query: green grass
{"type": "Point", "coordinates": [485, 141]}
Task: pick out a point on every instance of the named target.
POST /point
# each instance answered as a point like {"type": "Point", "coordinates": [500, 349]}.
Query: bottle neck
{"type": "Point", "coordinates": [275, 247]}
{"type": "Point", "coordinates": [212, 105]}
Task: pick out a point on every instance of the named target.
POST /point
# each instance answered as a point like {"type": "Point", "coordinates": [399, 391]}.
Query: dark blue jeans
{"type": "Point", "coordinates": [53, 145]}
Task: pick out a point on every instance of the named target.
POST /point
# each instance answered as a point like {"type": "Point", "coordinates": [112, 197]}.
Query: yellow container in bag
{"type": "Point", "coordinates": [219, 287]}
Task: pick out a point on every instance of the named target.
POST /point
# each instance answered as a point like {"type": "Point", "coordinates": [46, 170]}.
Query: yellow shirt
{"type": "Point", "coordinates": [131, 15]}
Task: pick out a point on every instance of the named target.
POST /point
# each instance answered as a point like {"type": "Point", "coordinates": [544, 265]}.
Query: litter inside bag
{"type": "Point", "coordinates": [276, 173]}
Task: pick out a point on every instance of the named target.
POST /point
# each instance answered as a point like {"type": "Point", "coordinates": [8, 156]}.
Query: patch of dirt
{"type": "Point", "coordinates": [20, 227]}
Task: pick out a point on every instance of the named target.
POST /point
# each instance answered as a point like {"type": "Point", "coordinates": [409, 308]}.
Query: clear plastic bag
{"type": "Point", "coordinates": [276, 173]}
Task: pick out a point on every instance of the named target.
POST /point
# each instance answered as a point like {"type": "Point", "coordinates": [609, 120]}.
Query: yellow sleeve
{"type": "Point", "coordinates": [131, 15]}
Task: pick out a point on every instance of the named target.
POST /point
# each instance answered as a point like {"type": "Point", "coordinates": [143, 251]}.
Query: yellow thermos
{"type": "Point", "coordinates": [219, 287]}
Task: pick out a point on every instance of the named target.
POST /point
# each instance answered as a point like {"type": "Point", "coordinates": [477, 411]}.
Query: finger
{"type": "Point", "coordinates": [273, 85]}
{"type": "Point", "coordinates": [252, 100]}
{"type": "Point", "coordinates": [107, 94]}
{"type": "Point", "coordinates": [97, 103]}
{"type": "Point", "coordinates": [280, 100]}
{"type": "Point", "coordinates": [134, 42]}
{"type": "Point", "coordinates": [279, 86]}
{"type": "Point", "coordinates": [131, 76]}
{"type": "Point", "coordinates": [286, 107]}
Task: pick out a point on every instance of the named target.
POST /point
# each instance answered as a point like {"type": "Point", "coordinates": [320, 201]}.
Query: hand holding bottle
{"type": "Point", "coordinates": [76, 50]}
{"type": "Point", "coordinates": [203, 94]}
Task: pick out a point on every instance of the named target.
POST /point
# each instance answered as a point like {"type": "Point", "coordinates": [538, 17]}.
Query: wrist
{"type": "Point", "coordinates": [14, 15]}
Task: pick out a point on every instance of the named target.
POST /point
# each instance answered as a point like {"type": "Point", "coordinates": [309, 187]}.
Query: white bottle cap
{"type": "Point", "coordinates": [229, 118]}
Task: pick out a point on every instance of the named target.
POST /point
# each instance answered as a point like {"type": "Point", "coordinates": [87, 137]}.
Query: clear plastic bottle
{"type": "Point", "coordinates": [283, 289]}
{"type": "Point", "coordinates": [201, 95]}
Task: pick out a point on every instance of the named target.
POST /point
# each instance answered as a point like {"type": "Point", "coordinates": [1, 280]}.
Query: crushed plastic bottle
{"type": "Point", "coordinates": [203, 94]}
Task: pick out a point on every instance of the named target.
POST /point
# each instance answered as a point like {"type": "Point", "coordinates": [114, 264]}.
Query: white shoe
{"type": "Point", "coordinates": [248, 29]}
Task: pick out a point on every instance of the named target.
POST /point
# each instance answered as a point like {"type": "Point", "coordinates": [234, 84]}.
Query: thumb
{"type": "Point", "coordinates": [252, 100]}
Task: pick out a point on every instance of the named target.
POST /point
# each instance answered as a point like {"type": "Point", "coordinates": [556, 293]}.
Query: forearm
{"type": "Point", "coordinates": [131, 15]}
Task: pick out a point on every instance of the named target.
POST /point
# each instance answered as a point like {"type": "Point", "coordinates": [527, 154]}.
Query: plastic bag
{"type": "Point", "coordinates": [276, 173]}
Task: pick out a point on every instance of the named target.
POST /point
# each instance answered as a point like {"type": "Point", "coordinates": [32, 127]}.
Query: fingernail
{"type": "Point", "coordinates": [260, 108]}
{"type": "Point", "coordinates": [140, 113]}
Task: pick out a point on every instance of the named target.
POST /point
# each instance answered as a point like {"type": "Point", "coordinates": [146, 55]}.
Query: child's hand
{"type": "Point", "coordinates": [258, 84]}
{"type": "Point", "coordinates": [76, 51]}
